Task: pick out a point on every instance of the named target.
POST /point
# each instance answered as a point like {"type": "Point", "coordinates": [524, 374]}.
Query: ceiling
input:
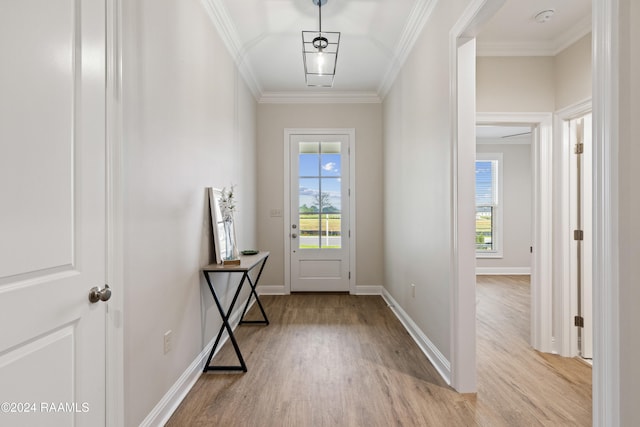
{"type": "Point", "coordinates": [513, 30]}
{"type": "Point", "coordinates": [264, 37]}
{"type": "Point", "coordinates": [503, 134]}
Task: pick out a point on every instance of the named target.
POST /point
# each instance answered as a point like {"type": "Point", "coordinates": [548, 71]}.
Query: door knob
{"type": "Point", "coordinates": [96, 294]}
{"type": "Point", "coordinates": [294, 235]}
{"type": "Point", "coordinates": [294, 226]}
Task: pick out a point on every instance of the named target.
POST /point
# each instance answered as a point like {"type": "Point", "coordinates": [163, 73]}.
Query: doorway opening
{"type": "Point", "coordinates": [539, 228]}
{"type": "Point", "coordinates": [575, 333]}
{"type": "Point", "coordinates": [503, 199]}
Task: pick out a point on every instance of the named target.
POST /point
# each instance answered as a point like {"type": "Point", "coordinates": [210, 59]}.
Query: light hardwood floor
{"type": "Point", "coordinates": [341, 360]}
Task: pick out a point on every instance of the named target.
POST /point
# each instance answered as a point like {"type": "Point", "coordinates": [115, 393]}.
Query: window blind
{"type": "Point", "coordinates": [486, 182]}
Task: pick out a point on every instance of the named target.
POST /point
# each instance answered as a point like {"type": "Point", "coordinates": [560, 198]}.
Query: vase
{"type": "Point", "coordinates": [230, 249]}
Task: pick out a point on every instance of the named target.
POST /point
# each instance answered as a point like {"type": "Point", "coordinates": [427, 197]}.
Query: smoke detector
{"type": "Point", "coordinates": [544, 16]}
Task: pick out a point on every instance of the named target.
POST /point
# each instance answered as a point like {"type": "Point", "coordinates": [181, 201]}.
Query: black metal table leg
{"type": "Point", "coordinates": [227, 326]}
{"type": "Point", "coordinates": [253, 286]}
{"type": "Point", "coordinates": [246, 265]}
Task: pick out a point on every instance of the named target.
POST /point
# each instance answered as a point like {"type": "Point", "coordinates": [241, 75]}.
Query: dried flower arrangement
{"type": "Point", "coordinates": [227, 203]}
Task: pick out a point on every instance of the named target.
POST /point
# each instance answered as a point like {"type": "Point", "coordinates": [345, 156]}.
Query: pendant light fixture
{"type": "Point", "coordinates": [320, 53]}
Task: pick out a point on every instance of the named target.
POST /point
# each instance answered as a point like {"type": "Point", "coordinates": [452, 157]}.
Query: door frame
{"type": "Point", "coordinates": [606, 318]}
{"type": "Point", "coordinates": [565, 334]}
{"type": "Point", "coordinates": [115, 389]}
{"type": "Point", "coordinates": [542, 215]}
{"type": "Point", "coordinates": [351, 134]}
{"type": "Point", "coordinates": [463, 373]}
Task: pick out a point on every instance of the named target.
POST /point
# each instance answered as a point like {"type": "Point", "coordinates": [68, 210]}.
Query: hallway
{"type": "Point", "coordinates": [334, 359]}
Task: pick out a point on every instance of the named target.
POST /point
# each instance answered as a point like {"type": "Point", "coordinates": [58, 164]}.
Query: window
{"type": "Point", "coordinates": [320, 195]}
{"type": "Point", "coordinates": [489, 205]}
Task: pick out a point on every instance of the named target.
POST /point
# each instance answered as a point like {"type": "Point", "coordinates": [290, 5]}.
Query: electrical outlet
{"type": "Point", "coordinates": [168, 344]}
{"type": "Point", "coordinates": [413, 290]}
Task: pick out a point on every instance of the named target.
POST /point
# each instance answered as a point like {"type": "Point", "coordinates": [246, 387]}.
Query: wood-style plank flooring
{"type": "Point", "coordinates": [341, 360]}
{"type": "Point", "coordinates": [517, 385]}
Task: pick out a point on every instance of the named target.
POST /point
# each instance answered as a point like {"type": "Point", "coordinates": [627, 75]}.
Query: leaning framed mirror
{"type": "Point", "coordinates": [217, 224]}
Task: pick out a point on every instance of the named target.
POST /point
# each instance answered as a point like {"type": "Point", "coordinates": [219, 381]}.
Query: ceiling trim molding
{"type": "Point", "coordinates": [551, 48]}
{"type": "Point", "coordinates": [229, 35]}
{"type": "Point", "coordinates": [319, 98]}
{"type": "Point", "coordinates": [419, 16]}
{"type": "Point", "coordinates": [574, 34]}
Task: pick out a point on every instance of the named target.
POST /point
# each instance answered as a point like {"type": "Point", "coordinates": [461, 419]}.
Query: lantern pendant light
{"type": "Point", "coordinates": [320, 53]}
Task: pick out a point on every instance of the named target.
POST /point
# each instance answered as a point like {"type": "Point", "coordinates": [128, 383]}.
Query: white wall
{"type": "Point", "coordinates": [535, 84]}
{"type": "Point", "coordinates": [189, 123]}
{"type": "Point", "coordinates": [417, 180]}
{"type": "Point", "coordinates": [515, 84]}
{"type": "Point", "coordinates": [516, 209]}
{"type": "Point", "coordinates": [367, 121]}
{"type": "Point", "coordinates": [573, 73]}
{"type": "Point", "coordinates": [629, 206]}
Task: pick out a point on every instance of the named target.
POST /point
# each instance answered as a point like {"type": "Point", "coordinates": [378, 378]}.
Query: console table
{"type": "Point", "coordinates": [247, 264]}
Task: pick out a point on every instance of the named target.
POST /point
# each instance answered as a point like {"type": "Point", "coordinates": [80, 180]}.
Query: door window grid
{"type": "Point", "coordinates": [320, 195]}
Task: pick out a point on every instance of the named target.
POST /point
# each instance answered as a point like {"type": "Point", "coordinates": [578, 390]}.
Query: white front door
{"type": "Point", "coordinates": [52, 212]}
{"type": "Point", "coordinates": [319, 197]}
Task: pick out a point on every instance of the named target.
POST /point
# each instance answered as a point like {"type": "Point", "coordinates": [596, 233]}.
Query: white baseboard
{"type": "Point", "coordinates": [503, 271]}
{"type": "Point", "coordinates": [368, 290]}
{"type": "Point", "coordinates": [170, 401]}
{"type": "Point", "coordinates": [271, 290]}
{"type": "Point", "coordinates": [279, 290]}
{"type": "Point", "coordinates": [437, 359]}
{"type": "Point", "coordinates": [161, 413]}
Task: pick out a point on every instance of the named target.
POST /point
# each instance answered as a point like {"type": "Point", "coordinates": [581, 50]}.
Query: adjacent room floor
{"type": "Point", "coordinates": [345, 360]}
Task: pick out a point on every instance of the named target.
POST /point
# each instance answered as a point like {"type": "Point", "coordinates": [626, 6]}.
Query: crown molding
{"type": "Point", "coordinates": [574, 34]}
{"type": "Point", "coordinates": [419, 16]}
{"type": "Point", "coordinates": [227, 31]}
{"type": "Point", "coordinates": [320, 98]}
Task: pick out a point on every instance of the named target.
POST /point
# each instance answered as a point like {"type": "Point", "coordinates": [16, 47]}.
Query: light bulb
{"type": "Point", "coordinates": [320, 62]}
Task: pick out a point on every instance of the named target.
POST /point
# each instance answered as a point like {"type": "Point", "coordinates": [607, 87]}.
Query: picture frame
{"type": "Point", "coordinates": [217, 224]}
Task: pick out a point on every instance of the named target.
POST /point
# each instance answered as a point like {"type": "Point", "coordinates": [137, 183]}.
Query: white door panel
{"type": "Point", "coordinates": [319, 196]}
{"type": "Point", "coordinates": [310, 269]}
{"type": "Point", "coordinates": [52, 211]}
{"type": "Point", "coordinates": [581, 188]}
{"type": "Point", "coordinates": [36, 118]}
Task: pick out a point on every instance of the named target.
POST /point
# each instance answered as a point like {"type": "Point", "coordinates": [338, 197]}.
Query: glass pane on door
{"type": "Point", "coordinates": [320, 195]}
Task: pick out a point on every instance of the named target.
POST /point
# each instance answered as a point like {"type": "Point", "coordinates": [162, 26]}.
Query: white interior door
{"type": "Point", "coordinates": [319, 197]}
{"type": "Point", "coordinates": [581, 219]}
{"type": "Point", "coordinates": [52, 212]}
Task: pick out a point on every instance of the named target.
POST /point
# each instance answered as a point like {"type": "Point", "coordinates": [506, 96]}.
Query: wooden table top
{"type": "Point", "coordinates": [247, 262]}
